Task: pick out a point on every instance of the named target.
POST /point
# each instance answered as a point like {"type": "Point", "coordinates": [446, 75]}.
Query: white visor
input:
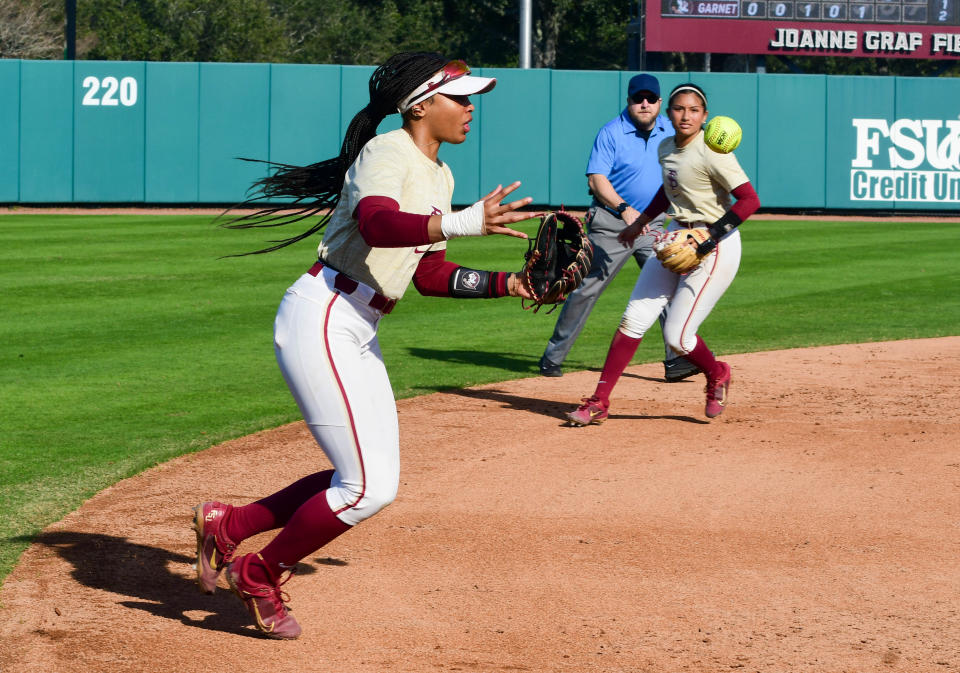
{"type": "Point", "coordinates": [460, 85]}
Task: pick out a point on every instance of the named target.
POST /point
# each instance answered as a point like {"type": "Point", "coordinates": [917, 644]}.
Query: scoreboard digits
{"type": "Point", "coordinates": [918, 12]}
{"type": "Point", "coordinates": [865, 28]}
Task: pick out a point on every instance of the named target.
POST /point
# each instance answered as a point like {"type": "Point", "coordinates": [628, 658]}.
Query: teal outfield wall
{"type": "Point", "coordinates": [156, 133]}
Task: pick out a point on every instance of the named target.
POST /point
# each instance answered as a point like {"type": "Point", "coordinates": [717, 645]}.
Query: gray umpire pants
{"type": "Point", "coordinates": [609, 256]}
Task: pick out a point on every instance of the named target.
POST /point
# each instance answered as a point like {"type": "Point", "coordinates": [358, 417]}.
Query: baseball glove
{"type": "Point", "coordinates": [677, 254]}
{"type": "Point", "coordinates": [557, 259]}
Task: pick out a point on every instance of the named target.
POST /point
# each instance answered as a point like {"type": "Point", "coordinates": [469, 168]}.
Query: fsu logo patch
{"type": "Point", "coordinates": [471, 280]}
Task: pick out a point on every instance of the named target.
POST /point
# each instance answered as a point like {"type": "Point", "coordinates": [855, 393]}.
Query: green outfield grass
{"type": "Point", "coordinates": [127, 341]}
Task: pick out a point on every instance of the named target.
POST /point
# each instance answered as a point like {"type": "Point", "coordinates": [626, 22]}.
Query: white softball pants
{"type": "Point", "coordinates": [688, 299]}
{"type": "Point", "coordinates": [327, 348]}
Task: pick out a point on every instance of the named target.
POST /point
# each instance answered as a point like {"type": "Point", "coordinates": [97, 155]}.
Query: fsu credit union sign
{"type": "Point", "coordinates": [908, 160]}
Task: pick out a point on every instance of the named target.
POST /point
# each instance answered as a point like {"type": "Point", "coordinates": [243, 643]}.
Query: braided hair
{"type": "Point", "coordinates": [316, 188]}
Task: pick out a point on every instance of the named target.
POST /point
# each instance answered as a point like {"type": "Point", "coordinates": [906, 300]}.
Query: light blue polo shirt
{"type": "Point", "coordinates": [627, 160]}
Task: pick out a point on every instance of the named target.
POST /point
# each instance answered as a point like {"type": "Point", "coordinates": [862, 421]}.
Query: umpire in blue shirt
{"type": "Point", "coordinates": [623, 174]}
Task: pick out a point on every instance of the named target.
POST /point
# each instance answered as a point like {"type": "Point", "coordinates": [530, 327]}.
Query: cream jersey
{"type": "Point", "coordinates": [389, 165]}
{"type": "Point", "coordinates": [697, 180]}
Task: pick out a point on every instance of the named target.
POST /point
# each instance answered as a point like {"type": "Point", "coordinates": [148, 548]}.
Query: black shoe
{"type": "Point", "coordinates": [547, 368]}
{"type": "Point", "coordinates": [678, 369]}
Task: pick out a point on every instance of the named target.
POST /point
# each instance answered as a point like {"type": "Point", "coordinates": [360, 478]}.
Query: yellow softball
{"type": "Point", "coordinates": [722, 134]}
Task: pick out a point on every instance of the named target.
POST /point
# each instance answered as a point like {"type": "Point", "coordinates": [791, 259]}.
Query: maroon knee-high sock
{"type": "Point", "coordinates": [311, 527]}
{"type": "Point", "coordinates": [703, 358]}
{"type": "Point", "coordinates": [275, 510]}
{"type": "Point", "coordinates": [621, 351]}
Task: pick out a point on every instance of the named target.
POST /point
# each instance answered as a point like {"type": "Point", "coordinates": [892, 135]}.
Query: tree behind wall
{"type": "Point", "coordinates": [581, 34]}
{"type": "Point", "coordinates": [572, 34]}
{"type": "Point", "coordinates": [31, 30]}
{"type": "Point", "coordinates": [180, 30]}
{"type": "Point", "coordinates": [358, 32]}
{"type": "Point", "coordinates": [567, 34]}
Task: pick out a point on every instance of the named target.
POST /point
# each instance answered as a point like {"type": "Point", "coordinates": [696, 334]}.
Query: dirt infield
{"type": "Point", "coordinates": [814, 527]}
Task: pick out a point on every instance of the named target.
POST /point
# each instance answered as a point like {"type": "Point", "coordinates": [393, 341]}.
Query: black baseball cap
{"type": "Point", "coordinates": [643, 82]}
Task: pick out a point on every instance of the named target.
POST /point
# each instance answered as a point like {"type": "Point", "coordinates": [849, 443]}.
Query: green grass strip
{"type": "Point", "coordinates": [126, 341]}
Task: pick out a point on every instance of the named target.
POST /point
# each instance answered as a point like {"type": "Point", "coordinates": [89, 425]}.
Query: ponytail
{"type": "Point", "coordinates": [315, 189]}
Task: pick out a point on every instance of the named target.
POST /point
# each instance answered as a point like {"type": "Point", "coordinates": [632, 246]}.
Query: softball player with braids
{"type": "Point", "coordinates": [391, 217]}
{"type": "Point", "coordinates": [697, 184]}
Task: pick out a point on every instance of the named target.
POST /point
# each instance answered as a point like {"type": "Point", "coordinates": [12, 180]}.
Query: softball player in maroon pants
{"type": "Point", "coordinates": [390, 225]}
{"type": "Point", "coordinates": [697, 184]}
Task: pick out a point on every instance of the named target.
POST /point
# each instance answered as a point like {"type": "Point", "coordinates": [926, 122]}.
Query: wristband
{"type": "Point", "coordinates": [707, 247]}
{"type": "Point", "coordinates": [724, 225]}
{"type": "Point", "coordinates": [467, 222]}
{"type": "Point", "coordinates": [469, 283]}
{"type": "Point", "coordinates": [466, 283]}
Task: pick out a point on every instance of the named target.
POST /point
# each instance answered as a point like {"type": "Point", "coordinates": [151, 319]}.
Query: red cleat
{"type": "Point", "coordinates": [265, 602]}
{"type": "Point", "coordinates": [592, 411]}
{"type": "Point", "coordinates": [214, 549]}
{"type": "Point", "coordinates": [717, 390]}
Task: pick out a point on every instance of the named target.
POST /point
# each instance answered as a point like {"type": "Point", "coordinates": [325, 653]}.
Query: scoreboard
{"type": "Point", "coordinates": [871, 28]}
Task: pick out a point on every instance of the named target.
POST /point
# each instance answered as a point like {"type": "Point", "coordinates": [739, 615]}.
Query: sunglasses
{"type": "Point", "coordinates": [451, 71]}
{"type": "Point", "coordinates": [638, 98]}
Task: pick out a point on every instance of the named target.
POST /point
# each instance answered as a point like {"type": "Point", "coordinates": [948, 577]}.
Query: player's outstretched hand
{"type": "Point", "coordinates": [496, 214]}
{"type": "Point", "coordinates": [517, 287]}
{"type": "Point", "coordinates": [629, 233]}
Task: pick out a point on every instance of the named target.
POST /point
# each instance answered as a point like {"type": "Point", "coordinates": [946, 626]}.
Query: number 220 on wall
{"type": "Point", "coordinates": [110, 91]}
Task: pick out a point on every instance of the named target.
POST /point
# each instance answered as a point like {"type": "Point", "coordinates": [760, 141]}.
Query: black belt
{"type": "Point", "coordinates": [348, 285]}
